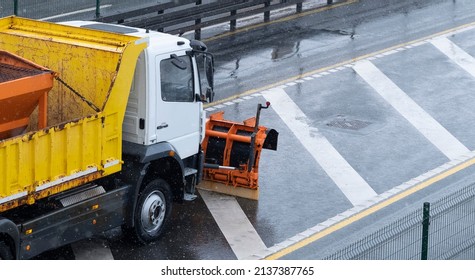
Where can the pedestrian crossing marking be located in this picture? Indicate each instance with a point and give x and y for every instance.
(353, 186)
(409, 109)
(233, 223)
(456, 54)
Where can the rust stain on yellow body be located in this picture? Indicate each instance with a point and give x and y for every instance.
(78, 144)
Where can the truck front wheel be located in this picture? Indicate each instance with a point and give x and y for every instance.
(153, 210)
(5, 251)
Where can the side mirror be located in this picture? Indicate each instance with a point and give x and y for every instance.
(209, 70)
(199, 98)
(198, 45)
(178, 62)
(209, 95)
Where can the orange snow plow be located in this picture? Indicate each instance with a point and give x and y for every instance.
(232, 152)
(23, 87)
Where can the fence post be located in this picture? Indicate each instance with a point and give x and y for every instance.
(425, 230)
(159, 13)
(15, 7)
(299, 7)
(197, 22)
(233, 22)
(98, 8)
(266, 13)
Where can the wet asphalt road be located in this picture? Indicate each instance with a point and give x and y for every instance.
(325, 38)
(312, 63)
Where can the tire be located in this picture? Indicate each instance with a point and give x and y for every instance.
(5, 251)
(153, 210)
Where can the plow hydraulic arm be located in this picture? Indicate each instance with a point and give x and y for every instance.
(232, 153)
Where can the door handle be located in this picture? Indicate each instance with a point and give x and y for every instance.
(163, 125)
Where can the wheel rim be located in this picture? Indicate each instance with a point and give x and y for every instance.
(153, 212)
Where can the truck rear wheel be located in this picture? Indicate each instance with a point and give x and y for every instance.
(5, 251)
(153, 211)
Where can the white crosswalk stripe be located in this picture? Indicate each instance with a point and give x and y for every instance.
(456, 54)
(417, 116)
(234, 224)
(355, 188)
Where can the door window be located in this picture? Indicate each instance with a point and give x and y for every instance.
(177, 79)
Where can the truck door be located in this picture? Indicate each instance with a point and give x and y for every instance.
(178, 111)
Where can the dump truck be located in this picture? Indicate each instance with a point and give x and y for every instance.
(103, 126)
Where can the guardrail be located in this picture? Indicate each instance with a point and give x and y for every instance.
(60, 10)
(171, 16)
(187, 15)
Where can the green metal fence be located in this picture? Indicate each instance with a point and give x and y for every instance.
(442, 230)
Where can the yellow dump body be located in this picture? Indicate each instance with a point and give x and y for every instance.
(79, 144)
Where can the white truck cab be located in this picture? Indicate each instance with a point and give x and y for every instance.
(165, 102)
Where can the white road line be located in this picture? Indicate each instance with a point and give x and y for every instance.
(420, 119)
(238, 231)
(456, 54)
(93, 249)
(353, 186)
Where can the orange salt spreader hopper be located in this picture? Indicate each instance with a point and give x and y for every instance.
(24, 85)
(232, 152)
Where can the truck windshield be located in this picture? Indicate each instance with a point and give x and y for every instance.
(177, 79)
